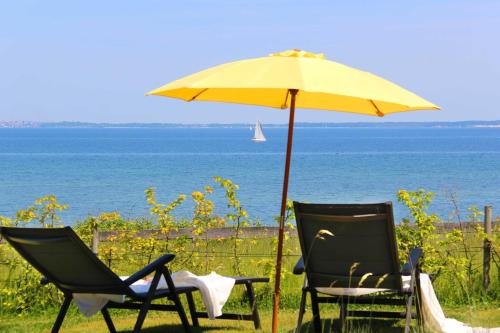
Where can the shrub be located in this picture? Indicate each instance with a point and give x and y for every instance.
(451, 257)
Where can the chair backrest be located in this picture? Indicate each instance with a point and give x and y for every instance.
(61, 256)
(362, 251)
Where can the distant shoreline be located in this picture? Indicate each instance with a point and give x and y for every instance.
(65, 124)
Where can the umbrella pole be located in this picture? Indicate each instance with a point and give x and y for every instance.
(277, 282)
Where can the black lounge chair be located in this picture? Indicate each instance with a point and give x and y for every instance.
(362, 253)
(64, 260)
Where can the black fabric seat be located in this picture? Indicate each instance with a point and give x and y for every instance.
(165, 292)
(350, 246)
(64, 260)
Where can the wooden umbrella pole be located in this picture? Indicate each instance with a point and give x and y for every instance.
(277, 282)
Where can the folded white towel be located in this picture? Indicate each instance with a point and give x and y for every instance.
(215, 290)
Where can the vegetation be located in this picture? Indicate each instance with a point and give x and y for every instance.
(169, 322)
(453, 258)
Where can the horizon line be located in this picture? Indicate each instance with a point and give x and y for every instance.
(242, 123)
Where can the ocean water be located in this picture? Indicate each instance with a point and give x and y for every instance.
(105, 169)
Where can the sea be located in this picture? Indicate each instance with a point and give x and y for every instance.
(96, 170)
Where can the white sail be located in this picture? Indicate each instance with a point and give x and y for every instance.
(259, 135)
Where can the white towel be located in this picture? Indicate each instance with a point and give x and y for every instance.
(215, 290)
(405, 279)
(433, 314)
(90, 304)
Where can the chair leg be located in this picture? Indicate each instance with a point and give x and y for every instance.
(253, 305)
(343, 315)
(107, 319)
(142, 316)
(145, 305)
(409, 303)
(420, 322)
(192, 309)
(61, 314)
(181, 312)
(302, 309)
(418, 304)
(315, 311)
(175, 298)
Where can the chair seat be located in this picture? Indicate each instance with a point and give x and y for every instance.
(246, 279)
(364, 291)
(141, 290)
(164, 292)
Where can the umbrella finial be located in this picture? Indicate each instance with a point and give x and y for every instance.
(298, 53)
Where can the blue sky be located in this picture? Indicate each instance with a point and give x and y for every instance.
(94, 60)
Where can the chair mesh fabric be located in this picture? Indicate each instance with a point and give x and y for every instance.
(61, 256)
(362, 251)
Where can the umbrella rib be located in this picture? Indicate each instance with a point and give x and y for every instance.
(378, 112)
(284, 105)
(197, 95)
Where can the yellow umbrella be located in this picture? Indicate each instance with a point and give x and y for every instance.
(293, 79)
(322, 84)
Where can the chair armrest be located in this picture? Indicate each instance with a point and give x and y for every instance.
(155, 265)
(413, 261)
(299, 267)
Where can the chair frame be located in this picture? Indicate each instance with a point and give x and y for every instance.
(400, 297)
(140, 301)
(250, 293)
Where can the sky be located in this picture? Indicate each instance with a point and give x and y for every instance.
(93, 61)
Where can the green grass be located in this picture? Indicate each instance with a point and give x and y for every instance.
(169, 322)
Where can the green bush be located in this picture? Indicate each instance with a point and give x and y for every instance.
(453, 258)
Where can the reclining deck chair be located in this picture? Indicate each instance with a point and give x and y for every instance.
(349, 255)
(61, 256)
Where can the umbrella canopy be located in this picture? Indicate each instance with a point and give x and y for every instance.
(293, 79)
(322, 84)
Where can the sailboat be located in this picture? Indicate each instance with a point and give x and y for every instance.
(259, 135)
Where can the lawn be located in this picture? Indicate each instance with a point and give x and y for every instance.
(169, 322)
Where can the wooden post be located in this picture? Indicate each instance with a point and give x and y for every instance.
(488, 230)
(95, 240)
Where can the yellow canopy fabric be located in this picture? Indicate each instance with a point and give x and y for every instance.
(321, 84)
